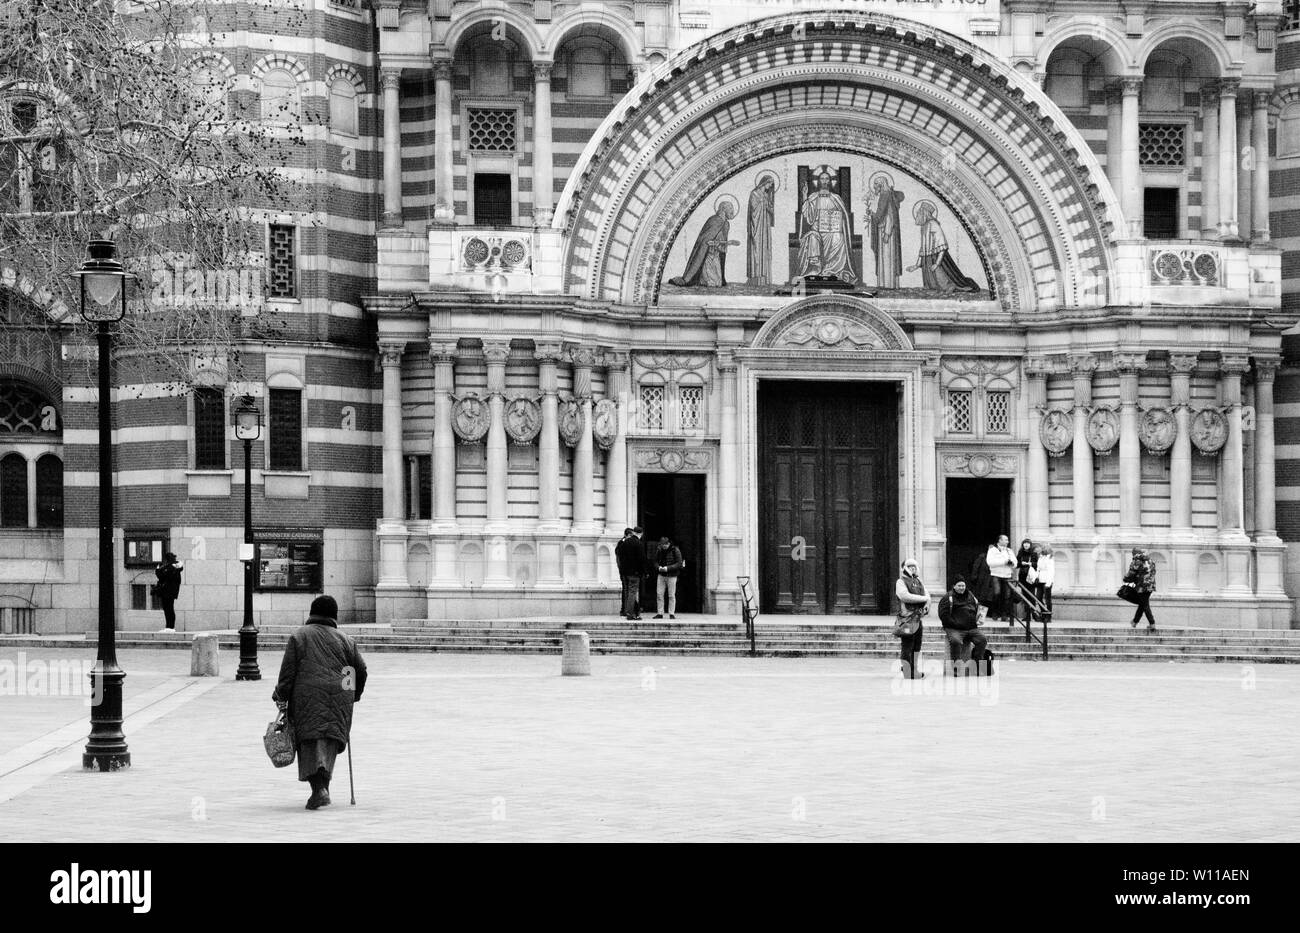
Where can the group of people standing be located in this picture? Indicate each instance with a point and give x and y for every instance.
(1032, 567)
(638, 560)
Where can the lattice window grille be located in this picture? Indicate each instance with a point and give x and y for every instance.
(1291, 10)
(209, 429)
(286, 429)
(22, 411)
(491, 129)
(999, 413)
(691, 400)
(347, 4)
(958, 414)
(1162, 143)
(282, 264)
(652, 407)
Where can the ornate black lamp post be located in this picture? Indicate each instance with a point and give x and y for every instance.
(248, 426)
(103, 301)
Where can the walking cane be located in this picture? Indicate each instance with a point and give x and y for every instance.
(351, 787)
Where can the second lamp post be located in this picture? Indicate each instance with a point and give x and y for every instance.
(248, 427)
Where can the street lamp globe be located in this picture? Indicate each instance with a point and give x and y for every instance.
(248, 420)
(103, 284)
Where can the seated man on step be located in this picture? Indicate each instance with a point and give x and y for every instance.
(959, 612)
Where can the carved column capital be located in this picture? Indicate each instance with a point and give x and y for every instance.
(617, 360)
(442, 69)
(1234, 364)
(1266, 368)
(1130, 364)
(546, 351)
(1228, 87)
(1082, 364)
(1182, 364)
(1037, 367)
(390, 78)
(1131, 85)
(390, 352)
(496, 351)
(1260, 100)
(583, 357)
(442, 351)
(542, 71)
(727, 360)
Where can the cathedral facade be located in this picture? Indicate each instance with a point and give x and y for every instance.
(809, 288)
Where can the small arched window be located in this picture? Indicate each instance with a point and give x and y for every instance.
(1067, 81)
(589, 72)
(1162, 85)
(280, 100)
(491, 68)
(49, 492)
(343, 106)
(13, 491)
(1288, 130)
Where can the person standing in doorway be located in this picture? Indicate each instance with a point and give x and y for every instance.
(1002, 565)
(629, 554)
(1026, 574)
(169, 587)
(668, 564)
(1142, 574)
(913, 604)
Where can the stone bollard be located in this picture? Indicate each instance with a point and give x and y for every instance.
(577, 654)
(203, 656)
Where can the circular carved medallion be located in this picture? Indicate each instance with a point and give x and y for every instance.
(1209, 430)
(604, 423)
(470, 419)
(570, 422)
(1103, 430)
(1157, 430)
(672, 460)
(523, 419)
(1056, 431)
(980, 465)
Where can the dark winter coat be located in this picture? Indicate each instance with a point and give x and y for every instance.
(312, 680)
(980, 580)
(1142, 574)
(960, 613)
(669, 557)
(1025, 559)
(169, 581)
(629, 554)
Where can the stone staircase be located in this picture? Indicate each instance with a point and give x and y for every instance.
(790, 638)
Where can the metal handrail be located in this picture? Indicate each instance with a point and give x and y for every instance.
(748, 613)
(1035, 605)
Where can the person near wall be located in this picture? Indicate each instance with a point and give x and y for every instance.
(1046, 576)
(321, 677)
(629, 554)
(913, 604)
(168, 588)
(1142, 575)
(668, 564)
(1001, 562)
(1026, 575)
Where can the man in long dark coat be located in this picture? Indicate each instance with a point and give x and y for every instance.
(321, 676)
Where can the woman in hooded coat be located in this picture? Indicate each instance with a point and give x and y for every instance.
(1142, 574)
(321, 676)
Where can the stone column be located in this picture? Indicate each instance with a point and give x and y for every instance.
(1231, 480)
(392, 527)
(1131, 196)
(443, 355)
(1245, 167)
(1248, 457)
(1210, 160)
(1180, 456)
(391, 80)
(1036, 482)
(928, 485)
(1265, 449)
(1228, 157)
(444, 198)
(548, 441)
(584, 483)
(1081, 368)
(543, 183)
(616, 466)
(1259, 190)
(496, 352)
(1129, 366)
(1114, 133)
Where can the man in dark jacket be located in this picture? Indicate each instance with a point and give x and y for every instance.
(169, 587)
(668, 564)
(629, 554)
(959, 613)
(321, 676)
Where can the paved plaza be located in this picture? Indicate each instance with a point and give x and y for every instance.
(502, 748)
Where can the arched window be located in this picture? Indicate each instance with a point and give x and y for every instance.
(1067, 81)
(1162, 85)
(24, 412)
(491, 67)
(1288, 130)
(13, 491)
(280, 101)
(589, 72)
(49, 492)
(343, 106)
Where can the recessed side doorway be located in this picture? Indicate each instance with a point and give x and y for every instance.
(673, 504)
(978, 510)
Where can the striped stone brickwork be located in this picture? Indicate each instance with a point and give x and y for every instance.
(1284, 221)
(922, 87)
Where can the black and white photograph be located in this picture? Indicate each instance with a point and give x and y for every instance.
(670, 421)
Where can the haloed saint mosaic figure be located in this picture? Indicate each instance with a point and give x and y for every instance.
(707, 265)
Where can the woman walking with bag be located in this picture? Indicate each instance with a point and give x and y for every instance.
(321, 676)
(913, 603)
(1142, 576)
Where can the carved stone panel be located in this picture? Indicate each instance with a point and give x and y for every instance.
(673, 459)
(1056, 431)
(604, 423)
(979, 465)
(1157, 430)
(523, 419)
(470, 418)
(1103, 430)
(1209, 430)
(570, 422)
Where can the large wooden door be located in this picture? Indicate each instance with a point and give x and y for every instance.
(828, 478)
